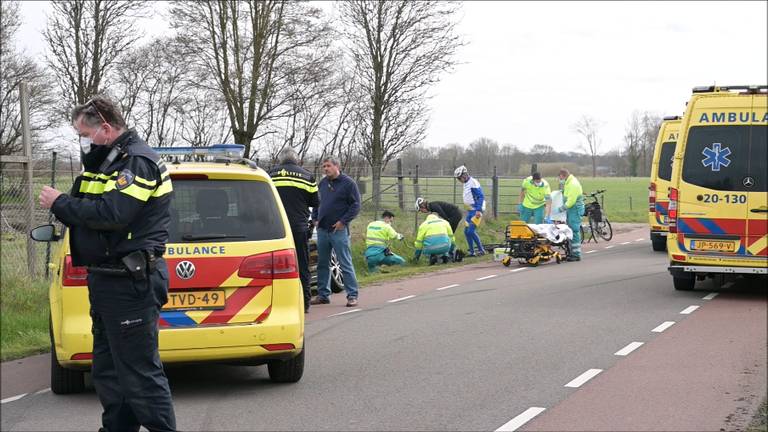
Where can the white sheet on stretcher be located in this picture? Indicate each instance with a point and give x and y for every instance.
(555, 233)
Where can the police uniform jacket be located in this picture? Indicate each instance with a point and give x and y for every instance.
(298, 192)
(121, 209)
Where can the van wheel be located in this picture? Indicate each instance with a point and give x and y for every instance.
(658, 243)
(287, 371)
(337, 278)
(683, 284)
(64, 381)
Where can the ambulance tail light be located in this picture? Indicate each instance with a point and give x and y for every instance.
(652, 197)
(73, 276)
(672, 211)
(271, 265)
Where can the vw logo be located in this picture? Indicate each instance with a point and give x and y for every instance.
(748, 182)
(185, 270)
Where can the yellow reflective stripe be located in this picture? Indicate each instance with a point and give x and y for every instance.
(137, 192)
(92, 187)
(165, 188)
(150, 183)
(292, 183)
(99, 175)
(307, 182)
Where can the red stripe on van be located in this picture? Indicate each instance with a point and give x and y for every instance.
(235, 303)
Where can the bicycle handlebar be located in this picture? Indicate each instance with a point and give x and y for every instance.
(595, 193)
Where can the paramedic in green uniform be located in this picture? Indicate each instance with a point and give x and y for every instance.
(378, 237)
(573, 206)
(535, 199)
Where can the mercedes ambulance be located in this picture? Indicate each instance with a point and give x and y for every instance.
(718, 198)
(661, 173)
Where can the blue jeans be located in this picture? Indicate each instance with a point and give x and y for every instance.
(339, 242)
(537, 214)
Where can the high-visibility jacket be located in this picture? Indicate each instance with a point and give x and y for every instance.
(433, 232)
(380, 233)
(119, 210)
(572, 192)
(535, 196)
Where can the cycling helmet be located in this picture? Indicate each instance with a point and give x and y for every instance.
(460, 171)
(419, 201)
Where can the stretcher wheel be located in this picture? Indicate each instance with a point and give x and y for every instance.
(557, 258)
(506, 261)
(534, 261)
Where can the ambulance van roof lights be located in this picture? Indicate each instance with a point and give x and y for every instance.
(746, 88)
(220, 150)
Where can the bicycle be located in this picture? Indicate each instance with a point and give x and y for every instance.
(597, 222)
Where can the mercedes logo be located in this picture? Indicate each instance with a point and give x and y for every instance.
(185, 270)
(748, 182)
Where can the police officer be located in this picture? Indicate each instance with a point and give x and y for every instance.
(118, 215)
(298, 192)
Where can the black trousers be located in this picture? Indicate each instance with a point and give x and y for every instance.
(127, 373)
(301, 242)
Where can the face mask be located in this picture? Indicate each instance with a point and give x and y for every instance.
(85, 144)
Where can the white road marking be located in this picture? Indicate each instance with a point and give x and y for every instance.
(519, 269)
(608, 247)
(729, 284)
(628, 349)
(345, 312)
(46, 390)
(710, 296)
(448, 286)
(688, 310)
(581, 379)
(12, 398)
(486, 277)
(626, 243)
(663, 326)
(521, 419)
(400, 299)
(639, 239)
(590, 251)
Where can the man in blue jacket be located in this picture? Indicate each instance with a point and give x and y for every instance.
(339, 205)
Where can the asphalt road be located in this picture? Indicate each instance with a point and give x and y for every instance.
(483, 348)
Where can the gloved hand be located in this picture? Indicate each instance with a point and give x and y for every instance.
(548, 221)
(400, 237)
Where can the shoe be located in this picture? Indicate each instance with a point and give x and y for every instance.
(351, 302)
(458, 256)
(319, 300)
(432, 259)
(445, 259)
(572, 258)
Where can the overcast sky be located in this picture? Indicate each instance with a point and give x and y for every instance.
(529, 70)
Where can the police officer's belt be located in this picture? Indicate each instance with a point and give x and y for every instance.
(136, 265)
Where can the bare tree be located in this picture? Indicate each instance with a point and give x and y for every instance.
(588, 128)
(633, 143)
(250, 49)
(398, 50)
(651, 124)
(205, 119)
(85, 38)
(15, 68)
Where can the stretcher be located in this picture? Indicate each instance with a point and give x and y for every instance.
(533, 244)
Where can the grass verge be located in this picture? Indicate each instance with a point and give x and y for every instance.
(760, 421)
(24, 319)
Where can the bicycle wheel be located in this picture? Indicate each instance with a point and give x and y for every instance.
(581, 228)
(603, 229)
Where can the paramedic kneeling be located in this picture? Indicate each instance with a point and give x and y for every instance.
(435, 239)
(377, 239)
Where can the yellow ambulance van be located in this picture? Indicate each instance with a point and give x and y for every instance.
(661, 174)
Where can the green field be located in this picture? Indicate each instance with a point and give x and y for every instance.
(625, 199)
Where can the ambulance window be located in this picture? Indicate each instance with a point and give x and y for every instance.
(242, 210)
(665, 160)
(758, 159)
(716, 157)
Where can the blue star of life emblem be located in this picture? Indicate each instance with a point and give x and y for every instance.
(716, 157)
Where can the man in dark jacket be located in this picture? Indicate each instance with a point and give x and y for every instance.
(445, 210)
(298, 192)
(339, 205)
(118, 215)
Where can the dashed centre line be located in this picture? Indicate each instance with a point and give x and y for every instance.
(663, 326)
(589, 252)
(519, 269)
(688, 310)
(447, 286)
(639, 239)
(628, 349)
(608, 247)
(583, 378)
(12, 398)
(626, 243)
(401, 299)
(710, 296)
(486, 277)
(345, 312)
(521, 419)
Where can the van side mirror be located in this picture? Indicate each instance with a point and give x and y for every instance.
(45, 233)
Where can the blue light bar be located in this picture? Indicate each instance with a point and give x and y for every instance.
(221, 150)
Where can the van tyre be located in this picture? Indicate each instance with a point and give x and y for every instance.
(683, 284)
(287, 371)
(64, 381)
(658, 243)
